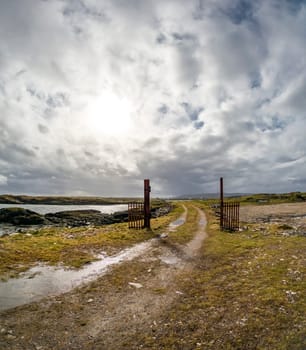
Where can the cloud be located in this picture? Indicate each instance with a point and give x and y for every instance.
(3, 180)
(97, 95)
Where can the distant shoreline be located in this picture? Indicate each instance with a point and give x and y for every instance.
(61, 200)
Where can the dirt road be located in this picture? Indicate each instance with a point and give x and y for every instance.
(109, 312)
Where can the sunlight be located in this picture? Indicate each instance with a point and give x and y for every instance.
(109, 114)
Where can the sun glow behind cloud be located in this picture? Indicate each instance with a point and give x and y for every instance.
(108, 114)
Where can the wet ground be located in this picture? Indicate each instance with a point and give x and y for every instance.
(105, 313)
(41, 281)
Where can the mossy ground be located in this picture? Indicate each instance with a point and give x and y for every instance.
(247, 291)
(72, 247)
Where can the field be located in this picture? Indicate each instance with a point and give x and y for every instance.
(242, 290)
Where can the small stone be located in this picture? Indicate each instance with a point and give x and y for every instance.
(2, 330)
(135, 285)
(10, 337)
(90, 300)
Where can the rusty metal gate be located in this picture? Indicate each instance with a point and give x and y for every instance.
(229, 212)
(136, 215)
(229, 216)
(139, 213)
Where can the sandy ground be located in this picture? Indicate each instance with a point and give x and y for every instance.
(289, 218)
(109, 312)
(253, 212)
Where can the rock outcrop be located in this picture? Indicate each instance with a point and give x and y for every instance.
(85, 217)
(20, 216)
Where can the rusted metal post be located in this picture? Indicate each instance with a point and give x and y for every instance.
(221, 204)
(147, 210)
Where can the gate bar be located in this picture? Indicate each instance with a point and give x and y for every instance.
(221, 204)
(147, 211)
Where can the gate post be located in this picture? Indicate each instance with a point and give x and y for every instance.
(221, 204)
(147, 211)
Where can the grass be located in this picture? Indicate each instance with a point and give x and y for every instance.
(72, 247)
(263, 198)
(271, 198)
(246, 292)
(184, 233)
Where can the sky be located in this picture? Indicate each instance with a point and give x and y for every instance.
(97, 95)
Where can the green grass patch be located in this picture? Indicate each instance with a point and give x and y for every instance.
(247, 291)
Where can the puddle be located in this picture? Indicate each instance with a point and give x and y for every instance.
(170, 259)
(202, 222)
(41, 281)
(178, 222)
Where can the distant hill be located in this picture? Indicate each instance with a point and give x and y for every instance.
(263, 198)
(60, 200)
(66, 200)
(209, 195)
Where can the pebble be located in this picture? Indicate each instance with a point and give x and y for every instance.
(10, 337)
(136, 285)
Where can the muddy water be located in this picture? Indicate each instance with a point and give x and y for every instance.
(178, 222)
(41, 281)
(47, 280)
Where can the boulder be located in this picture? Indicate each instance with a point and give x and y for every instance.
(80, 218)
(75, 217)
(21, 216)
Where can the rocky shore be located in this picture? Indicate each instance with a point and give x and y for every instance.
(25, 217)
